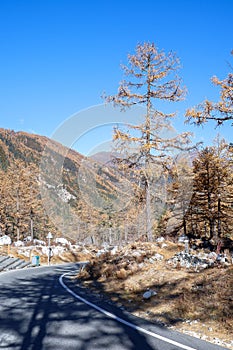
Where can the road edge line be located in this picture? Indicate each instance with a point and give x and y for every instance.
(119, 319)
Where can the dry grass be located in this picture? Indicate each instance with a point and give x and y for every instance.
(204, 298)
(67, 256)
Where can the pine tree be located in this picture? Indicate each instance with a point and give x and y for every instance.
(180, 192)
(150, 76)
(221, 111)
(210, 211)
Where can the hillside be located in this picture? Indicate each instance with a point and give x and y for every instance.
(48, 187)
(21, 205)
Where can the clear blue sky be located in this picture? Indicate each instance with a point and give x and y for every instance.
(58, 56)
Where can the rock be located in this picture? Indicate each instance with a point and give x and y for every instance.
(114, 250)
(223, 260)
(204, 337)
(160, 239)
(182, 238)
(62, 240)
(19, 244)
(39, 242)
(157, 257)
(141, 265)
(5, 240)
(212, 256)
(204, 266)
(100, 252)
(28, 239)
(164, 245)
(148, 294)
(188, 261)
(136, 254)
(56, 250)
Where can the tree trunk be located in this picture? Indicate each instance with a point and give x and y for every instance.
(18, 233)
(126, 232)
(110, 235)
(185, 226)
(211, 224)
(219, 219)
(148, 213)
(32, 228)
(17, 210)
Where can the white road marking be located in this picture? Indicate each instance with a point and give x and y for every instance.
(121, 320)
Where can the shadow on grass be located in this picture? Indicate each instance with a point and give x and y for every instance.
(206, 295)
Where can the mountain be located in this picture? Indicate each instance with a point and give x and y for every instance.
(103, 157)
(48, 187)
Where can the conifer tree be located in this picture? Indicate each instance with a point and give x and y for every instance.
(210, 212)
(150, 77)
(180, 192)
(221, 111)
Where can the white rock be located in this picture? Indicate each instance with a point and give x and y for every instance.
(62, 241)
(100, 252)
(212, 256)
(204, 266)
(5, 240)
(28, 239)
(148, 294)
(114, 250)
(64, 194)
(19, 244)
(157, 257)
(39, 242)
(160, 239)
(182, 238)
(26, 253)
(136, 254)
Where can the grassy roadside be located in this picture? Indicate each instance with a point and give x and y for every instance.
(198, 303)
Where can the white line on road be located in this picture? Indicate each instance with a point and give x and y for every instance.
(121, 320)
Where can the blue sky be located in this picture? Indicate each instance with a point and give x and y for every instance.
(59, 56)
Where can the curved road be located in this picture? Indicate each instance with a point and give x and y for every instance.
(41, 310)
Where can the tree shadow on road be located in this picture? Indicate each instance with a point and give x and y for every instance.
(36, 313)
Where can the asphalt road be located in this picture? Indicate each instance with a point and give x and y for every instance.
(40, 310)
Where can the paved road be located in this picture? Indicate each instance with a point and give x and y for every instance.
(37, 313)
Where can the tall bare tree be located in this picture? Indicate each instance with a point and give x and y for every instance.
(221, 111)
(150, 77)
